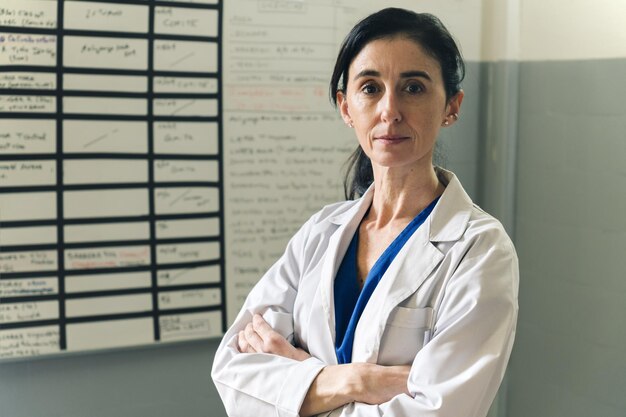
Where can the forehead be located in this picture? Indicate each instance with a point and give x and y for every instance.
(394, 55)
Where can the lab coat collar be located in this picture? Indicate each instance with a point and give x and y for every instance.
(450, 216)
(359, 206)
(446, 223)
(406, 274)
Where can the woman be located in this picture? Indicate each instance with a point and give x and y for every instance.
(404, 301)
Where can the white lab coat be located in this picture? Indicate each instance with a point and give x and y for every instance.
(447, 305)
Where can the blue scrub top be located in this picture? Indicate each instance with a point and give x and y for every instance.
(350, 301)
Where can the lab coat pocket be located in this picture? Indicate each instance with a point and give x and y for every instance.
(406, 332)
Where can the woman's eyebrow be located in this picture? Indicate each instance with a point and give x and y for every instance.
(367, 73)
(407, 74)
(411, 74)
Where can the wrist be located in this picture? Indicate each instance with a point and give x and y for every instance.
(356, 383)
(329, 390)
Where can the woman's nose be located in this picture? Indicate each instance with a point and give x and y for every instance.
(390, 112)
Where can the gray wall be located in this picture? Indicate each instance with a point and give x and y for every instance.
(459, 145)
(570, 205)
(164, 381)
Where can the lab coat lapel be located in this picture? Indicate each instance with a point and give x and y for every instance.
(412, 265)
(323, 331)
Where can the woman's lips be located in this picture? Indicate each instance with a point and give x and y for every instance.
(391, 139)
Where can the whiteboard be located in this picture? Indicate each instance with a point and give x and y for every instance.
(111, 175)
(156, 157)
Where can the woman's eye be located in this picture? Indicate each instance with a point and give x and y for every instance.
(414, 88)
(369, 89)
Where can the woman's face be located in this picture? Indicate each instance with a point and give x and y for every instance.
(396, 101)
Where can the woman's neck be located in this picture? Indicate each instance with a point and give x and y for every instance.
(400, 195)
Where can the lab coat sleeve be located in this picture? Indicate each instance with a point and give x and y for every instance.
(458, 372)
(258, 384)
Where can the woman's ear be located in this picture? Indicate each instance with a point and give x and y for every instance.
(454, 104)
(342, 103)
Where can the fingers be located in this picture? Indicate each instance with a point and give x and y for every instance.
(260, 337)
(261, 327)
(272, 341)
(242, 343)
(253, 338)
(249, 340)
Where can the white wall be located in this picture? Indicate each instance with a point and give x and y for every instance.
(572, 29)
(539, 30)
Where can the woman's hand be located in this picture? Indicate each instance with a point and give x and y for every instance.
(259, 337)
(376, 384)
(337, 385)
